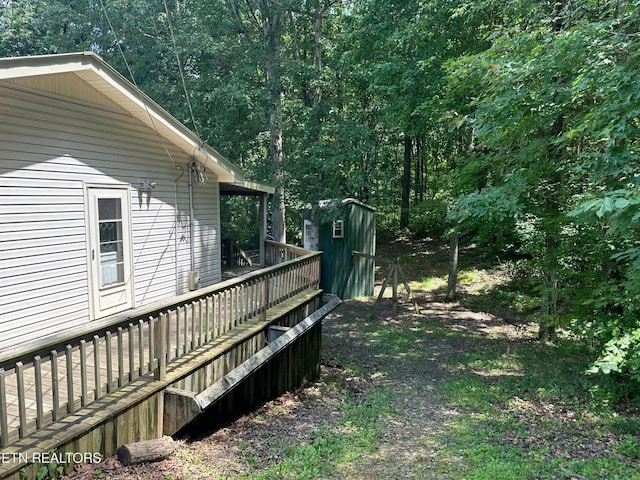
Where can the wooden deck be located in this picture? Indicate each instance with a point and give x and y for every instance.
(47, 389)
(61, 378)
(224, 376)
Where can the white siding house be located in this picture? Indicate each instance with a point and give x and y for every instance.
(107, 203)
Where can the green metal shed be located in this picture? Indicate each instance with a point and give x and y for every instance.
(338, 229)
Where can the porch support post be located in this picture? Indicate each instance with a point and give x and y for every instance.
(263, 228)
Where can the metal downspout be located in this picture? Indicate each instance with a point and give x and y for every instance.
(192, 251)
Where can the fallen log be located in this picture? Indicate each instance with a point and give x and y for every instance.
(146, 451)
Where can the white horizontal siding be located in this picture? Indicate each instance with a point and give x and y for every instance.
(49, 151)
(18, 331)
(37, 283)
(45, 227)
(35, 236)
(52, 258)
(206, 232)
(54, 272)
(39, 304)
(8, 210)
(28, 247)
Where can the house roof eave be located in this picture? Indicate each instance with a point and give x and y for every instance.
(245, 188)
(92, 69)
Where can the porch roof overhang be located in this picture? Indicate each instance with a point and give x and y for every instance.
(245, 189)
(95, 72)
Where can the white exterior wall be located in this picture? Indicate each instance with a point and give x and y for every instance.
(50, 149)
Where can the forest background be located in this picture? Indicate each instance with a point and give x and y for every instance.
(510, 124)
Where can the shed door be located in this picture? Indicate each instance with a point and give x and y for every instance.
(310, 235)
(110, 256)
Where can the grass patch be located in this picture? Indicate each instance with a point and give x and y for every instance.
(426, 283)
(514, 294)
(333, 446)
(530, 413)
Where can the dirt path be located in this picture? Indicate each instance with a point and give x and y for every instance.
(407, 446)
(408, 356)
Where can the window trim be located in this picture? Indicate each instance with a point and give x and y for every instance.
(338, 229)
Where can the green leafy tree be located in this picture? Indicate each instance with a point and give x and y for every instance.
(552, 103)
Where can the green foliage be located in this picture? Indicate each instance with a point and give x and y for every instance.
(36, 27)
(51, 471)
(494, 205)
(239, 221)
(551, 104)
(615, 324)
(428, 218)
(524, 121)
(621, 354)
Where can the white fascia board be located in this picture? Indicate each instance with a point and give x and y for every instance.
(17, 67)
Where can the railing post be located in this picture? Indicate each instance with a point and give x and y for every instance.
(55, 386)
(71, 406)
(97, 380)
(109, 353)
(264, 298)
(141, 363)
(132, 352)
(37, 371)
(121, 381)
(263, 229)
(83, 373)
(4, 427)
(153, 339)
(22, 408)
(161, 335)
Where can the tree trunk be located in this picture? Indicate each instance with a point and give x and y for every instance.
(406, 183)
(552, 229)
(266, 19)
(416, 174)
(452, 281)
(272, 29)
(549, 300)
(546, 326)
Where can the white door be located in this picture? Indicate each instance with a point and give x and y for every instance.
(310, 235)
(110, 250)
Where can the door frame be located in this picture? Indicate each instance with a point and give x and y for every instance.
(92, 191)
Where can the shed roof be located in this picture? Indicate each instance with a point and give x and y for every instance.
(353, 201)
(347, 201)
(62, 74)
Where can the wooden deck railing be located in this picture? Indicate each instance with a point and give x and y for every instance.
(279, 252)
(57, 380)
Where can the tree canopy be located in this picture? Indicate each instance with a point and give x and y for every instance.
(512, 123)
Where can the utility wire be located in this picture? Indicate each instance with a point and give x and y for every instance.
(133, 80)
(180, 69)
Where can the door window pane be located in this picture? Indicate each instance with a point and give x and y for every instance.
(111, 241)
